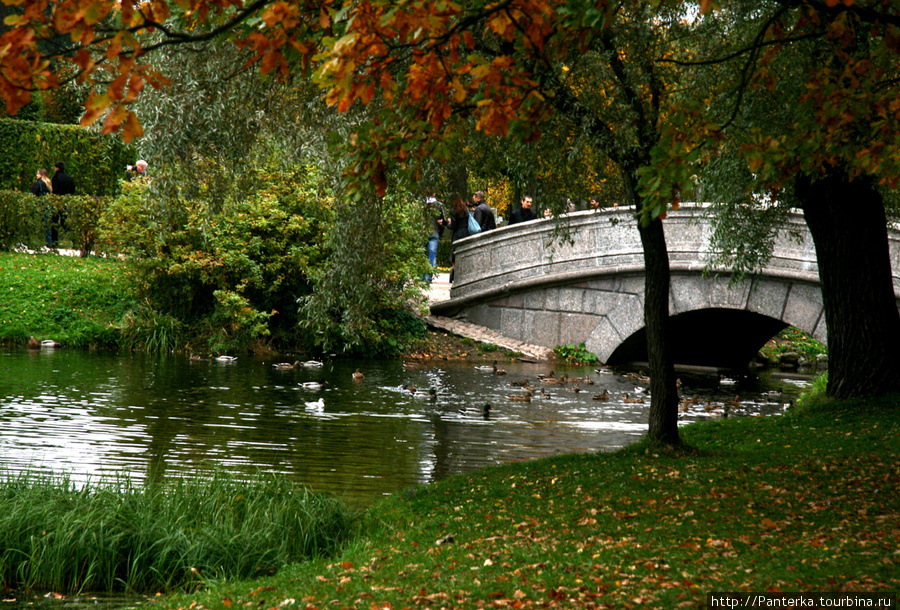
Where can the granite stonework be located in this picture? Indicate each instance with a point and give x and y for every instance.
(588, 285)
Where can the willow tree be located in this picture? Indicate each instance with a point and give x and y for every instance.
(802, 98)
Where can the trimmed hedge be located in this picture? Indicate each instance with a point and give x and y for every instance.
(96, 162)
(23, 217)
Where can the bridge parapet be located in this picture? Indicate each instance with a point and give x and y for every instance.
(525, 282)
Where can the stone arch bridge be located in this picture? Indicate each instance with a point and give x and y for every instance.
(521, 282)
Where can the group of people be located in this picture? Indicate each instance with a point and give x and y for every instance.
(64, 184)
(61, 184)
(462, 212)
(460, 222)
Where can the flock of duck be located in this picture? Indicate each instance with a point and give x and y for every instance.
(525, 390)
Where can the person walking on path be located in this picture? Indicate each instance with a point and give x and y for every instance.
(44, 186)
(524, 213)
(63, 183)
(483, 213)
(437, 219)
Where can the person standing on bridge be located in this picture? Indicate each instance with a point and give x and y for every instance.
(483, 213)
(459, 227)
(524, 213)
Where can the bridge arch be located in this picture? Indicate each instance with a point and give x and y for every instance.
(524, 284)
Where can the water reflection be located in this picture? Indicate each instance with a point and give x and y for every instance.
(91, 415)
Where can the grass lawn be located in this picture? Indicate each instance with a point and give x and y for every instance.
(803, 502)
(72, 300)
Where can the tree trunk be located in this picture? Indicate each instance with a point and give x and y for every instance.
(848, 225)
(663, 424)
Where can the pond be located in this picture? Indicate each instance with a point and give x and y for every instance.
(89, 415)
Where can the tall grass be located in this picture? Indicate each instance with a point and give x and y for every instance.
(115, 536)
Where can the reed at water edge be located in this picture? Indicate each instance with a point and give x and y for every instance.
(116, 536)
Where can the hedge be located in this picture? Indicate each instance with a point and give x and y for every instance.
(24, 218)
(96, 162)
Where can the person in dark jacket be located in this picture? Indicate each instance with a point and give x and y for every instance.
(483, 213)
(63, 183)
(459, 227)
(524, 213)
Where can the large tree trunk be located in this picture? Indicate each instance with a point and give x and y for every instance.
(663, 424)
(848, 225)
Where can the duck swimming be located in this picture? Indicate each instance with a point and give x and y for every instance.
(313, 385)
(526, 397)
(223, 358)
(358, 376)
(286, 365)
(483, 367)
(431, 394)
(604, 395)
(313, 364)
(317, 405)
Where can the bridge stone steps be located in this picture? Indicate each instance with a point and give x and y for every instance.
(440, 291)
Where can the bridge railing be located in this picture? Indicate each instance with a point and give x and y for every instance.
(601, 243)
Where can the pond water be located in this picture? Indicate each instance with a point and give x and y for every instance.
(89, 415)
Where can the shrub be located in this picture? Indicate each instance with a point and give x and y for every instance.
(21, 219)
(575, 355)
(229, 272)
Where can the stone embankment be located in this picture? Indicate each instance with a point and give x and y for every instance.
(440, 291)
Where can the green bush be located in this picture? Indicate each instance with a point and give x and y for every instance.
(24, 218)
(230, 274)
(576, 355)
(96, 162)
(21, 219)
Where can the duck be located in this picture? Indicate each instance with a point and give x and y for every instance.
(553, 379)
(484, 411)
(733, 403)
(409, 387)
(195, 357)
(313, 364)
(313, 385)
(576, 389)
(546, 395)
(604, 395)
(33, 343)
(499, 371)
(639, 377)
(317, 405)
(483, 367)
(286, 365)
(413, 365)
(431, 394)
(521, 383)
(358, 376)
(526, 397)
(50, 343)
(224, 358)
(626, 398)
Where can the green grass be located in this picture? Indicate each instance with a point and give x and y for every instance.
(75, 301)
(806, 501)
(116, 536)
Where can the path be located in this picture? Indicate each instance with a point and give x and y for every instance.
(440, 291)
